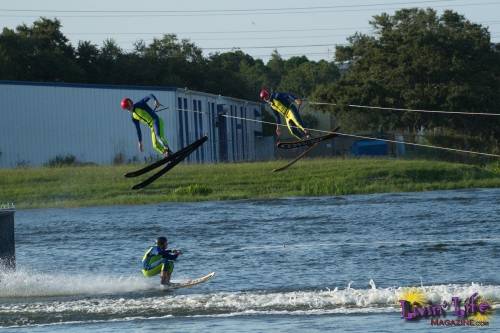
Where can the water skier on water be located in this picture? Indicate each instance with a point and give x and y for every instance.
(141, 111)
(159, 260)
(284, 104)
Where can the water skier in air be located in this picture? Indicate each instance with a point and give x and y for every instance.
(159, 260)
(141, 111)
(285, 104)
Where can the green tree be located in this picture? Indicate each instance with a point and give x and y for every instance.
(418, 59)
(276, 68)
(169, 61)
(110, 62)
(42, 53)
(87, 57)
(38, 52)
(303, 78)
(235, 74)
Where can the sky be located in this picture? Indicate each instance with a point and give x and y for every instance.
(294, 28)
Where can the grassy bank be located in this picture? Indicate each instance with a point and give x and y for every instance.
(105, 185)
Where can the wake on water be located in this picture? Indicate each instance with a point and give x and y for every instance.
(70, 298)
(25, 283)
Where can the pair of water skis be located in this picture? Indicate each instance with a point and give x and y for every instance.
(172, 160)
(309, 143)
(168, 163)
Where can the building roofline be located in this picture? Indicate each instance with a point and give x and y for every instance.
(86, 85)
(118, 86)
(188, 91)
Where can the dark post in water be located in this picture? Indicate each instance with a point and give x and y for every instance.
(7, 241)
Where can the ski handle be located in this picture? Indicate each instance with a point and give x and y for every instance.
(158, 104)
(299, 106)
(158, 110)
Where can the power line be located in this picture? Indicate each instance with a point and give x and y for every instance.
(197, 40)
(263, 55)
(250, 38)
(284, 12)
(236, 31)
(492, 22)
(216, 32)
(327, 44)
(295, 54)
(224, 10)
(281, 37)
(272, 46)
(269, 46)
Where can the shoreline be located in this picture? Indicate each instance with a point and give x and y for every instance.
(83, 186)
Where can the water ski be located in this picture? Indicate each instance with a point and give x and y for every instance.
(304, 153)
(308, 142)
(188, 283)
(165, 160)
(169, 162)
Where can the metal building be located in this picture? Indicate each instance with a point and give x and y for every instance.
(41, 121)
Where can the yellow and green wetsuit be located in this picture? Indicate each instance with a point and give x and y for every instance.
(142, 112)
(158, 260)
(283, 103)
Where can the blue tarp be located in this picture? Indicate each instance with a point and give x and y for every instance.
(369, 147)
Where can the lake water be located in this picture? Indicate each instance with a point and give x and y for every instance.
(287, 265)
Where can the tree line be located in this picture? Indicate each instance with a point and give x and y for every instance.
(41, 52)
(421, 60)
(413, 59)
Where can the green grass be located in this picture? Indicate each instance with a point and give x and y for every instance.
(105, 185)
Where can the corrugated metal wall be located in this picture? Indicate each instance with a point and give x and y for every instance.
(41, 121)
(200, 110)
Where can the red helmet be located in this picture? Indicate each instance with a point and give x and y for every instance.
(126, 102)
(264, 94)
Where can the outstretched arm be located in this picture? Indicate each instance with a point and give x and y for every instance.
(156, 101)
(139, 134)
(278, 123)
(170, 255)
(294, 99)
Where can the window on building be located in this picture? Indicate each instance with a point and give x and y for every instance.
(186, 123)
(242, 133)
(200, 120)
(180, 128)
(196, 132)
(214, 144)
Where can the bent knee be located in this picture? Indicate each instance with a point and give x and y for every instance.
(168, 267)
